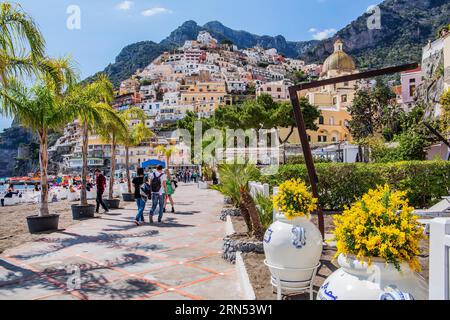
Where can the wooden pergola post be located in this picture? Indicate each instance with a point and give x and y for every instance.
(300, 122)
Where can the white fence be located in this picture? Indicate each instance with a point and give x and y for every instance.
(439, 259)
(257, 188)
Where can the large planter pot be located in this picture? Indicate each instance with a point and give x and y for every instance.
(356, 280)
(40, 224)
(292, 244)
(112, 204)
(128, 197)
(83, 212)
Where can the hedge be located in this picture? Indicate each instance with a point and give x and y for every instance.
(426, 182)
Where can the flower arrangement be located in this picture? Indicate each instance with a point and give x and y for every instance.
(382, 225)
(294, 199)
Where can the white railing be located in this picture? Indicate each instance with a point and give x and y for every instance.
(439, 285)
(257, 188)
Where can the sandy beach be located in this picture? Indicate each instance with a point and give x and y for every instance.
(13, 222)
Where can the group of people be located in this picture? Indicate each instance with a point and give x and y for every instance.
(188, 176)
(159, 187)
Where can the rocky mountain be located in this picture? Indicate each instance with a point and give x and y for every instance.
(406, 26)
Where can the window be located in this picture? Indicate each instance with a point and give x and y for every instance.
(278, 89)
(412, 80)
(321, 120)
(346, 84)
(344, 98)
(269, 89)
(331, 121)
(322, 138)
(334, 100)
(412, 90)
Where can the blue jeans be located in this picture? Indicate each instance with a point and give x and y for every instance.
(157, 199)
(141, 207)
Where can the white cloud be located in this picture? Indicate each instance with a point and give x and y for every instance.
(324, 34)
(125, 5)
(154, 11)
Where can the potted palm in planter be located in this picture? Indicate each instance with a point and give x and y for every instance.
(41, 109)
(377, 241)
(109, 132)
(133, 137)
(91, 103)
(293, 244)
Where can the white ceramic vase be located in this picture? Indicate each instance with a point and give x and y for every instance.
(357, 281)
(289, 245)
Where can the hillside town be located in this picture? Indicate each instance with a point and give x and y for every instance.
(204, 75)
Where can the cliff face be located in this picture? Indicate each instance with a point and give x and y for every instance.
(12, 141)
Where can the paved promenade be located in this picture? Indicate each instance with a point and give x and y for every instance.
(110, 258)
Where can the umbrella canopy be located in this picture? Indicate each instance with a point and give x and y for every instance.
(153, 163)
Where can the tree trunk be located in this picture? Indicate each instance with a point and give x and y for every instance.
(84, 172)
(288, 136)
(127, 164)
(43, 163)
(113, 169)
(246, 216)
(258, 230)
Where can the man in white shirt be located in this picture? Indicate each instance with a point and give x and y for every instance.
(158, 183)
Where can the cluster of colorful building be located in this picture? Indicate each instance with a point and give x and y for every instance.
(204, 75)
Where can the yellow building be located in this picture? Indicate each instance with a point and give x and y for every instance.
(332, 100)
(206, 97)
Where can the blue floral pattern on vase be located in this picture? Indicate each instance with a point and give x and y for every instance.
(298, 237)
(268, 235)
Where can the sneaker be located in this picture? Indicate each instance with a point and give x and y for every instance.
(159, 220)
(105, 212)
(151, 219)
(136, 223)
(173, 210)
(164, 210)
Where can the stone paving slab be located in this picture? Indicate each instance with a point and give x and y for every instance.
(109, 258)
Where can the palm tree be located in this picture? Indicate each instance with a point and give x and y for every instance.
(92, 105)
(133, 136)
(234, 184)
(21, 43)
(110, 132)
(42, 109)
(167, 152)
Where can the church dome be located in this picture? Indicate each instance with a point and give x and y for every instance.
(339, 60)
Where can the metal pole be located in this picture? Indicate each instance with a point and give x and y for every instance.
(313, 180)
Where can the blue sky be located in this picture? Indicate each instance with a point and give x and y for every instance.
(109, 25)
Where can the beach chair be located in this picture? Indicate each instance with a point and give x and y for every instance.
(73, 196)
(11, 201)
(92, 195)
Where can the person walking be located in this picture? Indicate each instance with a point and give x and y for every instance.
(101, 186)
(170, 191)
(140, 200)
(159, 188)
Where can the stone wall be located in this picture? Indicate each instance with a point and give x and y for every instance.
(232, 245)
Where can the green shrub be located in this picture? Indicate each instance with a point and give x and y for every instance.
(265, 210)
(426, 182)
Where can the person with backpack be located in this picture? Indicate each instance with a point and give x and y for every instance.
(158, 185)
(139, 197)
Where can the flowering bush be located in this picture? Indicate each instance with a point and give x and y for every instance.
(381, 225)
(294, 199)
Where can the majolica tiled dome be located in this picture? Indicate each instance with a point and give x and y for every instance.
(339, 60)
